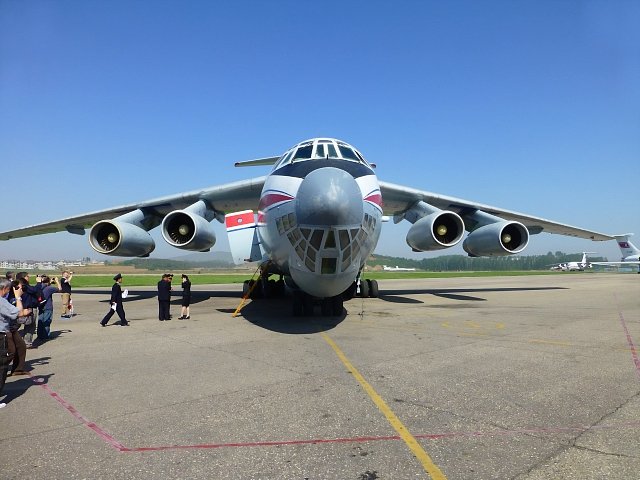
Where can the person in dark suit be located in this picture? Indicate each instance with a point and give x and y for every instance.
(164, 298)
(186, 297)
(116, 301)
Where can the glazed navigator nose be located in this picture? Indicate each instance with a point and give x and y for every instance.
(329, 196)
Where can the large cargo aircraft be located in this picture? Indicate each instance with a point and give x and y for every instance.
(318, 216)
(630, 253)
(574, 266)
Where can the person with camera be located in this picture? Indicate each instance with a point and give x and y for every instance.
(9, 314)
(30, 296)
(44, 321)
(65, 283)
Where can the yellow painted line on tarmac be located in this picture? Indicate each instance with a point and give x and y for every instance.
(430, 467)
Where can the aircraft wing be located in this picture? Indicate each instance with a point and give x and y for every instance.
(397, 199)
(242, 195)
(629, 262)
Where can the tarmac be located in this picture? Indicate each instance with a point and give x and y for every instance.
(534, 377)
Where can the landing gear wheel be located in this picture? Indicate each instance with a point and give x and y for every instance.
(307, 305)
(350, 292)
(245, 288)
(364, 288)
(373, 288)
(298, 309)
(337, 305)
(325, 306)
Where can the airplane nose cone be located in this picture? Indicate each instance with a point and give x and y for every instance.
(329, 196)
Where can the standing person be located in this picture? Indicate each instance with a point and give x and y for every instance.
(65, 284)
(164, 298)
(30, 296)
(9, 314)
(44, 320)
(116, 304)
(186, 298)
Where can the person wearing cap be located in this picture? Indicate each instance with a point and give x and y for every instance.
(116, 304)
(164, 297)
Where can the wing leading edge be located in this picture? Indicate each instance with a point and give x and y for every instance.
(241, 195)
(397, 199)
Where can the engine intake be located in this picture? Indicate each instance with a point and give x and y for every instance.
(435, 232)
(497, 239)
(114, 237)
(188, 231)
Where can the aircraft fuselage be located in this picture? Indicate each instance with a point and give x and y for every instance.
(319, 216)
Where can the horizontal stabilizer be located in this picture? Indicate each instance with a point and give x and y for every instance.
(257, 162)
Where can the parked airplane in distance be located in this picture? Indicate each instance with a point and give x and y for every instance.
(574, 266)
(319, 216)
(630, 253)
(398, 269)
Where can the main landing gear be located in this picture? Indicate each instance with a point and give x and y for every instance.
(303, 303)
(368, 288)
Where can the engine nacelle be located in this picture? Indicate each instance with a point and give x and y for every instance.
(436, 231)
(115, 237)
(188, 231)
(497, 239)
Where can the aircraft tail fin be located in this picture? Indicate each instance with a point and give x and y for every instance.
(626, 247)
(243, 237)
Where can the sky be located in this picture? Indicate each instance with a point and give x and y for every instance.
(532, 106)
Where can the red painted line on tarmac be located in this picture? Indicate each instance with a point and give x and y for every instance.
(72, 410)
(632, 346)
(265, 444)
(111, 441)
(427, 436)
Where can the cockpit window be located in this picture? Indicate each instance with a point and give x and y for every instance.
(321, 148)
(286, 158)
(347, 152)
(332, 150)
(303, 152)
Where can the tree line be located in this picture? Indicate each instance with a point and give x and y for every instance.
(449, 263)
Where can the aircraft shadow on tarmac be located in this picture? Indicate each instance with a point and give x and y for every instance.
(399, 295)
(275, 314)
(197, 296)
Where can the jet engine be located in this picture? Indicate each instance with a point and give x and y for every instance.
(189, 229)
(436, 231)
(117, 237)
(497, 239)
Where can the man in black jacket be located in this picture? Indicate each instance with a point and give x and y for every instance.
(116, 304)
(164, 298)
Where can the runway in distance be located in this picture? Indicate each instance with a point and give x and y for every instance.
(312, 221)
(397, 269)
(630, 253)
